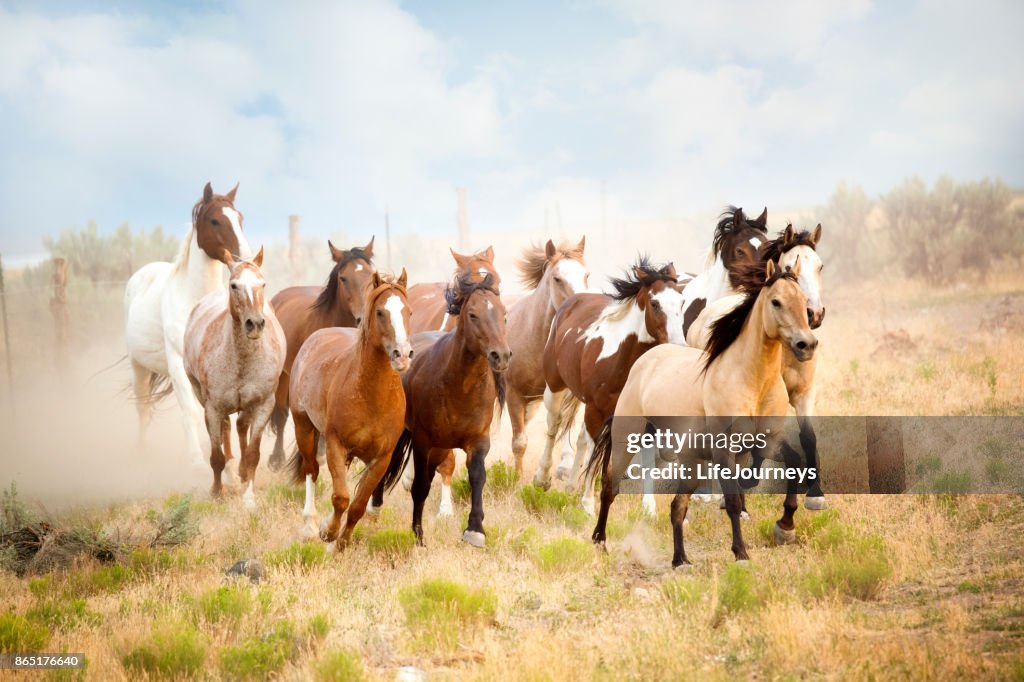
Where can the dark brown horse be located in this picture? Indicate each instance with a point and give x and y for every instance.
(304, 310)
(429, 308)
(345, 386)
(450, 393)
(593, 343)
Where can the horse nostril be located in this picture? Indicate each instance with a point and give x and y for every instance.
(411, 352)
(810, 315)
(802, 345)
(248, 325)
(261, 324)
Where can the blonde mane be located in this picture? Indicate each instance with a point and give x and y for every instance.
(534, 261)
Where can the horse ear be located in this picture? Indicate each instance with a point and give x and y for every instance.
(640, 274)
(787, 236)
(368, 249)
(816, 235)
(738, 218)
(226, 258)
(670, 270)
(460, 260)
(403, 279)
(377, 280)
(796, 267)
(769, 269)
(762, 219)
(207, 193)
(488, 254)
(258, 260)
(582, 245)
(336, 253)
(231, 195)
(550, 250)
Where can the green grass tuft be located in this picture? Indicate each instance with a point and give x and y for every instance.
(856, 567)
(739, 589)
(392, 544)
(19, 634)
(339, 665)
(225, 604)
(174, 651)
(564, 555)
(436, 611)
(63, 614)
(305, 555)
(502, 479)
(683, 593)
(539, 501)
(953, 482)
(263, 657)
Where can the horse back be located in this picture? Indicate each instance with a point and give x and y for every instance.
(294, 310)
(427, 306)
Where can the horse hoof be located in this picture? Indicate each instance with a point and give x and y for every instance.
(541, 481)
(474, 538)
(744, 516)
(588, 506)
(562, 473)
(783, 536)
(815, 503)
(445, 512)
(372, 511)
(275, 463)
(686, 567)
(745, 563)
(325, 533)
(308, 531)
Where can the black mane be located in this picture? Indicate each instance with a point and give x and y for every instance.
(629, 286)
(458, 292)
(329, 295)
(732, 220)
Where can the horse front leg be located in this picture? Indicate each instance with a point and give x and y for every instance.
(254, 425)
(474, 533)
(517, 416)
(191, 410)
(371, 477)
(423, 475)
(680, 503)
(278, 421)
(785, 528)
(815, 498)
(307, 467)
(447, 470)
(337, 463)
(215, 427)
(553, 405)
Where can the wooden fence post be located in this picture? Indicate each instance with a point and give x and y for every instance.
(295, 248)
(462, 219)
(59, 310)
(7, 336)
(387, 241)
(887, 466)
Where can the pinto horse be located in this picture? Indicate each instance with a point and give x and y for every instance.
(345, 387)
(304, 310)
(429, 306)
(450, 393)
(593, 342)
(739, 376)
(158, 300)
(234, 351)
(554, 273)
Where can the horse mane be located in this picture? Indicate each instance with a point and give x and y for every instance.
(732, 220)
(181, 260)
(726, 329)
(626, 288)
(457, 293)
(329, 295)
(773, 249)
(534, 261)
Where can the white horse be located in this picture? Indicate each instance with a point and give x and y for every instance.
(158, 300)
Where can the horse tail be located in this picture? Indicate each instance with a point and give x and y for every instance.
(567, 413)
(294, 466)
(602, 453)
(159, 388)
(107, 368)
(399, 459)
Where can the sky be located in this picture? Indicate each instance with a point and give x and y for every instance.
(121, 112)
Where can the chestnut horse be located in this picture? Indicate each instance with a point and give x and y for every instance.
(304, 310)
(429, 307)
(593, 343)
(739, 376)
(554, 274)
(345, 386)
(234, 351)
(158, 300)
(450, 393)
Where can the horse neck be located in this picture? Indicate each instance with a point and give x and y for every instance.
(541, 311)
(202, 274)
(462, 361)
(756, 351)
(371, 361)
(717, 282)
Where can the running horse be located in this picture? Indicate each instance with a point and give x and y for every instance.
(450, 393)
(303, 310)
(234, 351)
(429, 307)
(739, 376)
(593, 342)
(346, 388)
(158, 300)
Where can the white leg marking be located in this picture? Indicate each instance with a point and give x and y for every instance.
(249, 498)
(309, 530)
(553, 404)
(446, 510)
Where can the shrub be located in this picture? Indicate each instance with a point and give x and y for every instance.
(502, 479)
(436, 610)
(63, 614)
(261, 657)
(953, 482)
(857, 567)
(681, 593)
(339, 665)
(19, 634)
(462, 492)
(738, 589)
(302, 554)
(103, 579)
(524, 543)
(227, 603)
(564, 555)
(392, 544)
(539, 501)
(171, 651)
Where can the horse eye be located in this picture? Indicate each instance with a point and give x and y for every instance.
(214, 221)
(380, 314)
(472, 316)
(234, 286)
(775, 302)
(344, 280)
(558, 279)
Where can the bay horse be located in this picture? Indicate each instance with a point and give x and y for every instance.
(346, 388)
(553, 273)
(739, 376)
(158, 300)
(234, 351)
(592, 344)
(430, 309)
(786, 250)
(303, 310)
(450, 393)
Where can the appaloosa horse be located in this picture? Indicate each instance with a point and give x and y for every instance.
(158, 300)
(554, 273)
(450, 393)
(234, 350)
(429, 307)
(303, 310)
(345, 387)
(739, 376)
(593, 343)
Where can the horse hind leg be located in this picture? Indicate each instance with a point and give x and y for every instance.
(278, 421)
(367, 484)
(553, 405)
(446, 469)
(142, 385)
(307, 468)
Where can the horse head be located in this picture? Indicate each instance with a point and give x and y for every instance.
(246, 293)
(801, 247)
(653, 290)
(387, 318)
(351, 276)
(218, 226)
(785, 315)
(738, 238)
(476, 266)
(481, 319)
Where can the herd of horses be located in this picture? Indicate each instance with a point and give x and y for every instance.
(371, 368)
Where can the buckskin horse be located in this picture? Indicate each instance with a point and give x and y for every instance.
(346, 388)
(234, 351)
(450, 392)
(158, 300)
(739, 376)
(593, 342)
(303, 310)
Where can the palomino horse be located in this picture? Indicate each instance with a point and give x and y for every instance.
(304, 310)
(593, 342)
(159, 298)
(739, 376)
(786, 250)
(234, 351)
(450, 392)
(429, 307)
(345, 386)
(554, 274)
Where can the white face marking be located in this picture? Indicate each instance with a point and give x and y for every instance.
(483, 272)
(671, 302)
(444, 322)
(394, 306)
(756, 242)
(490, 306)
(248, 281)
(574, 273)
(810, 272)
(234, 219)
(359, 267)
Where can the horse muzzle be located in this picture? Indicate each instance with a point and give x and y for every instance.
(401, 359)
(803, 347)
(499, 359)
(254, 327)
(815, 317)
